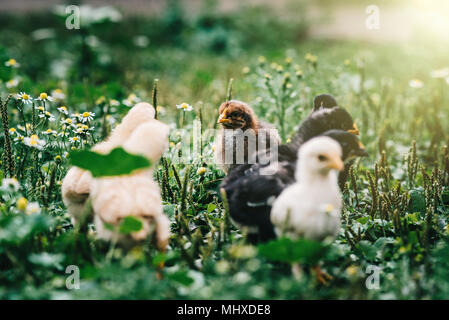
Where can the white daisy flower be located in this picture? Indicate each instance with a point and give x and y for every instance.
(415, 83)
(34, 142)
(184, 106)
(58, 94)
(441, 73)
(19, 138)
(63, 109)
(12, 63)
(50, 132)
(26, 98)
(12, 83)
(45, 97)
(74, 140)
(10, 183)
(87, 116)
(13, 131)
(41, 109)
(114, 103)
(67, 121)
(47, 115)
(63, 133)
(131, 100)
(32, 207)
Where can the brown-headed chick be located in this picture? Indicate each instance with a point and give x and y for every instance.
(240, 123)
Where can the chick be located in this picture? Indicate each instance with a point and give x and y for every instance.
(310, 207)
(239, 123)
(251, 189)
(76, 184)
(321, 121)
(324, 101)
(136, 194)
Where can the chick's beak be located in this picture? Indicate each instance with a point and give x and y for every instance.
(222, 118)
(354, 130)
(336, 163)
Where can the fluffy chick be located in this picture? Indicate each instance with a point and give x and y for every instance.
(76, 184)
(321, 121)
(136, 194)
(310, 208)
(324, 101)
(239, 122)
(251, 189)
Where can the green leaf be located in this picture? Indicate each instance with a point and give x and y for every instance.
(115, 163)
(211, 207)
(287, 250)
(367, 249)
(181, 277)
(363, 220)
(130, 224)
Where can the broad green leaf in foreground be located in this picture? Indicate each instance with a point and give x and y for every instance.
(130, 224)
(115, 163)
(287, 250)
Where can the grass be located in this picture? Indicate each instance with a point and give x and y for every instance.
(396, 201)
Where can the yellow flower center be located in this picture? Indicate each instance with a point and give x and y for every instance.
(34, 137)
(12, 62)
(25, 96)
(22, 204)
(49, 131)
(329, 207)
(41, 108)
(75, 139)
(184, 106)
(86, 114)
(43, 95)
(12, 130)
(69, 121)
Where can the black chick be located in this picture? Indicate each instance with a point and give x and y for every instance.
(321, 121)
(251, 189)
(324, 101)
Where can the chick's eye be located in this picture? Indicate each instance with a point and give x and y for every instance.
(322, 158)
(234, 114)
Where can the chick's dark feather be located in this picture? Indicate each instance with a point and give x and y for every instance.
(321, 121)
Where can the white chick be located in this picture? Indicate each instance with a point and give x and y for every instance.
(310, 208)
(136, 194)
(76, 184)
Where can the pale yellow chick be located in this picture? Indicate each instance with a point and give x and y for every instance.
(76, 184)
(136, 194)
